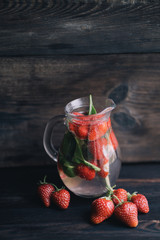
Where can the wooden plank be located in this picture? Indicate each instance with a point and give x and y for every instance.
(35, 89)
(78, 27)
(24, 217)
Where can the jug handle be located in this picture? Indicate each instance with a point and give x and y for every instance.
(48, 132)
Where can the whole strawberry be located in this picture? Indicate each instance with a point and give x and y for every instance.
(140, 201)
(85, 172)
(96, 131)
(44, 191)
(61, 197)
(104, 166)
(113, 140)
(121, 194)
(101, 209)
(127, 213)
(118, 194)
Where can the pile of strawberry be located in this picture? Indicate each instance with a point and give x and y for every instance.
(48, 192)
(118, 202)
(123, 205)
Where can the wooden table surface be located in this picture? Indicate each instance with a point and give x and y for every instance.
(24, 217)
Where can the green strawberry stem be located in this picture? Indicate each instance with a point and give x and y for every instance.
(97, 169)
(44, 182)
(80, 159)
(57, 189)
(110, 189)
(120, 202)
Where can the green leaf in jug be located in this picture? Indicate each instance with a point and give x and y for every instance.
(92, 109)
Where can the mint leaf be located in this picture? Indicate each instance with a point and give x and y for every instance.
(92, 109)
(78, 157)
(67, 167)
(66, 153)
(68, 146)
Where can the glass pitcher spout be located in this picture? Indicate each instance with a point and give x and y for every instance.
(102, 105)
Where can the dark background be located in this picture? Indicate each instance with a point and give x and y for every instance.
(52, 52)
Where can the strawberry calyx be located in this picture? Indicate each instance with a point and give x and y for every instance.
(57, 189)
(120, 201)
(107, 197)
(42, 182)
(110, 190)
(111, 195)
(131, 195)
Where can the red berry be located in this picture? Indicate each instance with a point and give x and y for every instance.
(97, 148)
(109, 123)
(77, 114)
(85, 172)
(96, 131)
(121, 194)
(101, 209)
(81, 131)
(44, 191)
(78, 126)
(127, 213)
(61, 198)
(113, 140)
(104, 165)
(141, 202)
(71, 127)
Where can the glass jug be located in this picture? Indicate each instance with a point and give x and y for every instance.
(88, 158)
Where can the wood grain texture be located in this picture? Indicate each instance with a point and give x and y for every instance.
(35, 89)
(23, 216)
(48, 27)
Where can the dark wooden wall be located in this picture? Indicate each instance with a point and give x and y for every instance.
(54, 51)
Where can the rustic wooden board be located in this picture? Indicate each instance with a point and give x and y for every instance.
(44, 27)
(24, 217)
(35, 89)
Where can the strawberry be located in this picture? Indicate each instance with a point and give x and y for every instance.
(121, 194)
(113, 140)
(140, 201)
(61, 197)
(109, 123)
(96, 131)
(97, 148)
(104, 165)
(127, 213)
(81, 132)
(101, 209)
(44, 191)
(78, 126)
(85, 172)
(77, 114)
(72, 126)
